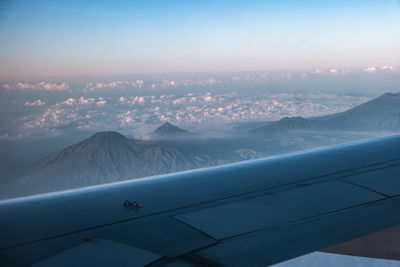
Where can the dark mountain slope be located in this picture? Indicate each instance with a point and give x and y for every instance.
(107, 157)
(379, 114)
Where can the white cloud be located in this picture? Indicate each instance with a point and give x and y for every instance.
(208, 98)
(137, 99)
(333, 71)
(98, 86)
(85, 101)
(116, 84)
(101, 103)
(69, 101)
(128, 119)
(370, 69)
(54, 86)
(34, 103)
(23, 85)
(139, 83)
(178, 101)
(318, 71)
(168, 83)
(48, 86)
(286, 75)
(389, 68)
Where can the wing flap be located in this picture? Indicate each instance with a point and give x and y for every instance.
(100, 252)
(161, 234)
(249, 215)
(270, 246)
(37, 251)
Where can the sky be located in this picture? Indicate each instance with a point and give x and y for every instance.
(50, 38)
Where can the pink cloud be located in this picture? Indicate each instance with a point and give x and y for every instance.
(389, 68)
(370, 69)
(35, 103)
(48, 86)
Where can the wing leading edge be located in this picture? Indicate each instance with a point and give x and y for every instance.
(253, 213)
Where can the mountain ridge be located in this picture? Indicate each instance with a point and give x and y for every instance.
(379, 114)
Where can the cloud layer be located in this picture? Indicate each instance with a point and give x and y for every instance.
(47, 86)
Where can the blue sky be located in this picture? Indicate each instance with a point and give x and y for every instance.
(44, 38)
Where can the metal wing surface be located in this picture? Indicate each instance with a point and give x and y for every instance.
(253, 213)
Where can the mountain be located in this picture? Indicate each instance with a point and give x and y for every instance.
(379, 114)
(103, 157)
(167, 130)
(285, 124)
(108, 157)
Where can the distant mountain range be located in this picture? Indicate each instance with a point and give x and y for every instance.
(109, 156)
(379, 114)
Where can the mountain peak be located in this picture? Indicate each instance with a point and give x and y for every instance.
(105, 139)
(169, 129)
(167, 124)
(390, 95)
(292, 119)
(285, 124)
(108, 136)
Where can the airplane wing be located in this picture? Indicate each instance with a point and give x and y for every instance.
(253, 213)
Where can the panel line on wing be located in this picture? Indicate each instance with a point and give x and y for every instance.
(262, 212)
(303, 220)
(365, 187)
(317, 179)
